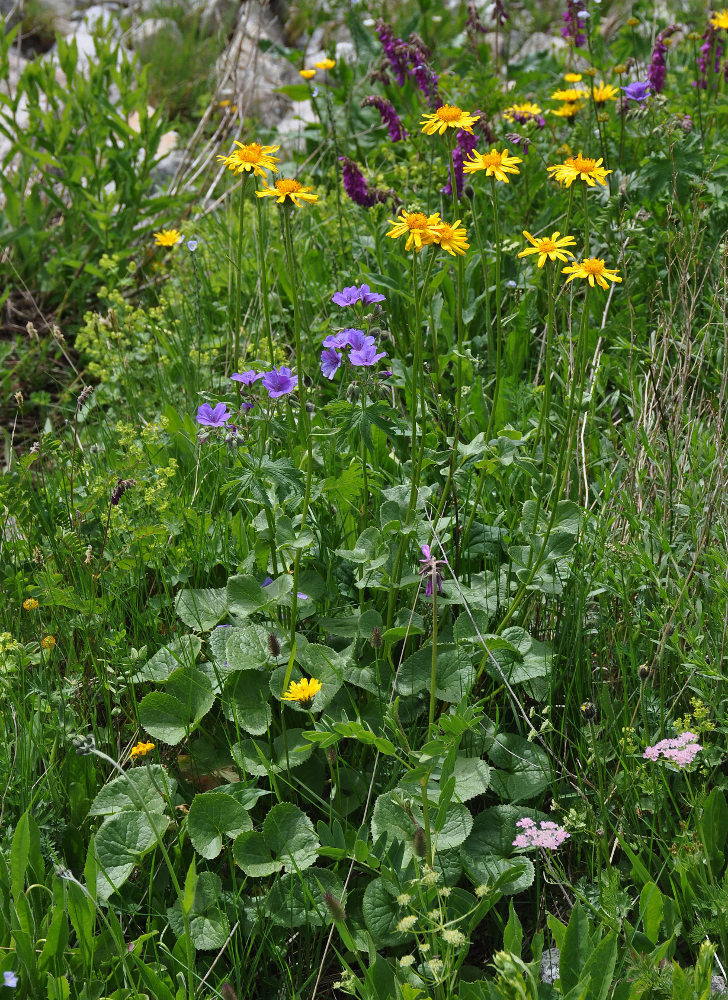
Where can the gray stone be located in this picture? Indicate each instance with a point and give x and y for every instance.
(550, 966)
(147, 34)
(718, 985)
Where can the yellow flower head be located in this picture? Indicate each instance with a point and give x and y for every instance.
(593, 270)
(307, 74)
(302, 691)
(552, 247)
(141, 749)
(580, 168)
(572, 77)
(571, 95)
(621, 68)
(720, 20)
(48, 642)
(30, 604)
(632, 22)
(452, 239)
(567, 110)
(494, 163)
(167, 238)
(288, 188)
(590, 71)
(325, 64)
(604, 92)
(522, 113)
(251, 156)
(420, 229)
(448, 116)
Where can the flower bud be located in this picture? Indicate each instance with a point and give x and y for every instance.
(419, 844)
(274, 646)
(375, 639)
(337, 911)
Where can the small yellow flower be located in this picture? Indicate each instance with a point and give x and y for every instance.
(325, 64)
(522, 112)
(604, 92)
(591, 71)
(224, 104)
(288, 188)
(567, 110)
(448, 116)
(48, 642)
(572, 77)
(494, 163)
(593, 270)
(580, 168)
(720, 20)
(552, 247)
(632, 22)
(141, 749)
(571, 95)
(307, 74)
(420, 229)
(167, 238)
(452, 239)
(251, 156)
(302, 691)
(620, 68)
(30, 604)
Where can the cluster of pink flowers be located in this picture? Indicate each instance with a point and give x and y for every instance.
(551, 835)
(681, 750)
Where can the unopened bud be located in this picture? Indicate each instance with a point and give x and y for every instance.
(84, 396)
(228, 993)
(331, 755)
(57, 335)
(375, 639)
(120, 489)
(31, 331)
(644, 672)
(419, 844)
(337, 911)
(274, 646)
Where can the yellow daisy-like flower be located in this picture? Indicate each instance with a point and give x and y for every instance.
(604, 92)
(30, 604)
(167, 238)
(552, 247)
(572, 77)
(571, 95)
(251, 156)
(621, 68)
(580, 168)
(567, 110)
(325, 64)
(593, 269)
(632, 22)
(448, 116)
(452, 239)
(420, 229)
(307, 74)
(720, 20)
(522, 112)
(302, 691)
(288, 188)
(494, 163)
(141, 749)
(48, 642)
(591, 71)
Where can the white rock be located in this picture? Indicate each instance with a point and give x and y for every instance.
(154, 30)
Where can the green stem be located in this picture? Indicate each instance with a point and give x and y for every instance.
(486, 279)
(424, 782)
(433, 667)
(460, 283)
(239, 271)
(498, 338)
(263, 272)
(365, 503)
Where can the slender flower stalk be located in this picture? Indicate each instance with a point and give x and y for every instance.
(498, 330)
(239, 269)
(263, 273)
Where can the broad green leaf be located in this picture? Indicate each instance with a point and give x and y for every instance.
(253, 855)
(599, 967)
(121, 842)
(245, 701)
(488, 853)
(454, 675)
(576, 950)
(201, 609)
(209, 925)
(714, 828)
(297, 899)
(472, 778)
(149, 784)
(254, 756)
(290, 835)
(245, 595)
(179, 653)
(213, 815)
(651, 907)
(520, 769)
(521, 658)
(172, 715)
(382, 913)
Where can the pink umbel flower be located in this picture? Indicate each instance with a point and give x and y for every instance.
(680, 750)
(550, 835)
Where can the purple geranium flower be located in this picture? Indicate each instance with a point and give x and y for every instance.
(348, 297)
(279, 382)
(366, 355)
(247, 378)
(10, 979)
(368, 297)
(337, 340)
(216, 416)
(637, 91)
(357, 339)
(330, 362)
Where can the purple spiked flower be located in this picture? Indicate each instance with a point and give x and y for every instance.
(279, 382)
(572, 24)
(366, 356)
(389, 116)
(464, 145)
(431, 568)
(330, 362)
(355, 184)
(216, 416)
(657, 70)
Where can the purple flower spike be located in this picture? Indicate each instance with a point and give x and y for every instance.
(348, 297)
(337, 340)
(431, 570)
(368, 297)
(366, 356)
(330, 362)
(637, 91)
(247, 378)
(216, 416)
(357, 339)
(657, 70)
(279, 382)
(389, 116)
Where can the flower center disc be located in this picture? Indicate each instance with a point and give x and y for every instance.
(250, 154)
(449, 113)
(492, 159)
(583, 164)
(417, 221)
(547, 246)
(288, 186)
(593, 266)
